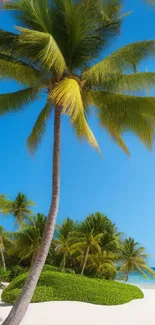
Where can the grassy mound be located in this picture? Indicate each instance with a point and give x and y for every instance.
(61, 286)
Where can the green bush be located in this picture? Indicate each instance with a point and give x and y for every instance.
(41, 294)
(57, 269)
(16, 270)
(60, 286)
(4, 275)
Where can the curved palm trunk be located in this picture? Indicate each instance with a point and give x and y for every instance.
(64, 262)
(127, 277)
(3, 259)
(19, 309)
(85, 260)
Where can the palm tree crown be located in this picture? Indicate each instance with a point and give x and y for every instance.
(53, 50)
(20, 208)
(134, 258)
(64, 238)
(28, 239)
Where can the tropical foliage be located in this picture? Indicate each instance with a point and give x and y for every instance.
(134, 258)
(60, 286)
(93, 247)
(70, 36)
(19, 208)
(55, 52)
(28, 240)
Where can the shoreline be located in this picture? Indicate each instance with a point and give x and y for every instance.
(136, 312)
(149, 286)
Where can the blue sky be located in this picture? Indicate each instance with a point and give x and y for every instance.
(122, 188)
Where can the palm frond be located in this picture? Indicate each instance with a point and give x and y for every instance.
(16, 101)
(130, 82)
(31, 13)
(119, 113)
(34, 46)
(21, 72)
(83, 29)
(124, 59)
(49, 53)
(67, 96)
(39, 128)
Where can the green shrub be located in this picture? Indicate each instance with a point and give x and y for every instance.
(57, 269)
(41, 294)
(4, 275)
(17, 270)
(60, 286)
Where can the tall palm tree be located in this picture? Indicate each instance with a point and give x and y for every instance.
(52, 52)
(134, 258)
(28, 239)
(20, 208)
(87, 240)
(64, 238)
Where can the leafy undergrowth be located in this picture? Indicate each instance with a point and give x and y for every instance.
(56, 286)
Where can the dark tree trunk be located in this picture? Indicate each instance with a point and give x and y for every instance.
(85, 260)
(19, 309)
(3, 259)
(127, 277)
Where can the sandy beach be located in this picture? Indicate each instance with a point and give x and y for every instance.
(137, 312)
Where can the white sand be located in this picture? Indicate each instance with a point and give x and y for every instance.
(137, 312)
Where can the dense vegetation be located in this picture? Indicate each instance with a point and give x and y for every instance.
(61, 286)
(93, 247)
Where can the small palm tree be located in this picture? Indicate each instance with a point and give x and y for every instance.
(28, 238)
(64, 239)
(103, 264)
(87, 240)
(133, 258)
(52, 53)
(2, 247)
(20, 208)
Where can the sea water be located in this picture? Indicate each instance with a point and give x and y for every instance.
(137, 277)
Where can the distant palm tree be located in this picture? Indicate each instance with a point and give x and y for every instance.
(52, 53)
(2, 247)
(64, 238)
(5, 244)
(87, 240)
(18, 208)
(133, 258)
(102, 263)
(28, 238)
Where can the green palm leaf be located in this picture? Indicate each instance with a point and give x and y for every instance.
(39, 128)
(130, 82)
(119, 113)
(34, 13)
(17, 100)
(67, 95)
(35, 46)
(126, 58)
(49, 53)
(21, 72)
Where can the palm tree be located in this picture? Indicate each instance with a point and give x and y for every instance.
(133, 258)
(2, 247)
(111, 240)
(52, 53)
(64, 239)
(87, 240)
(19, 208)
(103, 263)
(28, 239)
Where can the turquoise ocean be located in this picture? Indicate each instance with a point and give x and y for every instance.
(136, 277)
